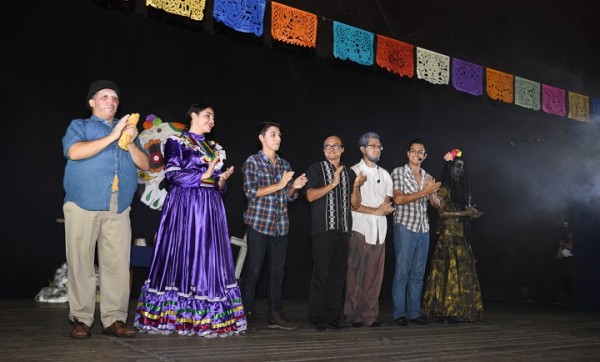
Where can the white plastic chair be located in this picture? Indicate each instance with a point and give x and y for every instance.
(239, 262)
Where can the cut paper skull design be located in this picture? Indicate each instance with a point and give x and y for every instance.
(153, 138)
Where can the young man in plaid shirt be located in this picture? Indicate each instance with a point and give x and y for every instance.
(268, 187)
(414, 189)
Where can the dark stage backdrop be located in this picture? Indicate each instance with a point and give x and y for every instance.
(528, 169)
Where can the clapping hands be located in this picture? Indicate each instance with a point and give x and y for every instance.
(431, 186)
(385, 208)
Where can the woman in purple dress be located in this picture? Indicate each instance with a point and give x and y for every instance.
(191, 287)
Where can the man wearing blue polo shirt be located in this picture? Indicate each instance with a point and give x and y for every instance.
(100, 181)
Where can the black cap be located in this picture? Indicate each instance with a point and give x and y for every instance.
(100, 85)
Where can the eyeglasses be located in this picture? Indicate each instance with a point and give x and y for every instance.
(335, 147)
(379, 147)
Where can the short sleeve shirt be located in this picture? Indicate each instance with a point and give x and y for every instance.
(412, 215)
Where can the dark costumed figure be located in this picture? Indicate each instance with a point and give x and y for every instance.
(452, 292)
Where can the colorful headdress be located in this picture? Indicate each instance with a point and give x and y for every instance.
(450, 156)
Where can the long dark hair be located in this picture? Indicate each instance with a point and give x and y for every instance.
(460, 194)
(459, 187)
(194, 108)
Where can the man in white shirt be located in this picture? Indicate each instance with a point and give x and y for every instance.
(366, 255)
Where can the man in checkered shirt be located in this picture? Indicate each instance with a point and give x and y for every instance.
(268, 187)
(413, 190)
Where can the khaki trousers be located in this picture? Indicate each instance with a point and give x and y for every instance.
(111, 232)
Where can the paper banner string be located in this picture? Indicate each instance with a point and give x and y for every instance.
(527, 93)
(298, 27)
(245, 16)
(553, 100)
(579, 107)
(352, 43)
(499, 85)
(193, 9)
(595, 109)
(433, 67)
(396, 56)
(467, 77)
(293, 26)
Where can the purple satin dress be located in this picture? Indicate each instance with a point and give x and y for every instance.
(191, 287)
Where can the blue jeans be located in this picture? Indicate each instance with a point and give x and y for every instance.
(411, 250)
(259, 246)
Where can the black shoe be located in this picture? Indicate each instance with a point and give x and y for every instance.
(250, 317)
(375, 324)
(357, 324)
(401, 321)
(420, 320)
(277, 321)
(321, 326)
(336, 326)
(454, 320)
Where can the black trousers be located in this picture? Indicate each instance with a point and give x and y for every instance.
(330, 259)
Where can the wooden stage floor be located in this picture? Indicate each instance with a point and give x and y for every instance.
(32, 331)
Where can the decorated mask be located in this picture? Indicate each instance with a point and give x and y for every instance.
(458, 168)
(153, 139)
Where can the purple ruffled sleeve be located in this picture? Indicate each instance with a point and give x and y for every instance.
(178, 170)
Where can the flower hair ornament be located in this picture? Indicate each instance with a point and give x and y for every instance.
(454, 153)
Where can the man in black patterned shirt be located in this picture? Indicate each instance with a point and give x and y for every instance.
(329, 190)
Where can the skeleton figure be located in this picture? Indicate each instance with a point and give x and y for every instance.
(153, 138)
